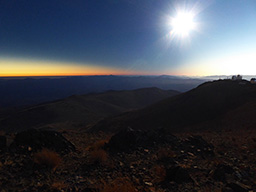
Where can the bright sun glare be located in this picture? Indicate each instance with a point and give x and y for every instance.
(183, 23)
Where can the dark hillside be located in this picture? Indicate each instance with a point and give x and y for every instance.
(82, 110)
(208, 101)
(18, 92)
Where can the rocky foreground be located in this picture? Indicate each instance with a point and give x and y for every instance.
(128, 161)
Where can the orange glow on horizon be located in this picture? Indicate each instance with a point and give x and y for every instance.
(58, 75)
(27, 68)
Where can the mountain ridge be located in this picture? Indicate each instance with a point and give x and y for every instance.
(26, 92)
(81, 110)
(208, 102)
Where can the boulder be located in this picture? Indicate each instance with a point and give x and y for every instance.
(177, 174)
(126, 140)
(162, 136)
(129, 139)
(34, 140)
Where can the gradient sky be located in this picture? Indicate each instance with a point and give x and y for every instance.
(98, 37)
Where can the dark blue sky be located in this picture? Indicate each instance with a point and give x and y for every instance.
(129, 35)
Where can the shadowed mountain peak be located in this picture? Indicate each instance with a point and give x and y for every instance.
(207, 102)
(79, 111)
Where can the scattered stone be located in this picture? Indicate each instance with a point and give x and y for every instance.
(141, 166)
(148, 183)
(191, 154)
(227, 189)
(197, 145)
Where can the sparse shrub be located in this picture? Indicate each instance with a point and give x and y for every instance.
(118, 185)
(160, 173)
(99, 144)
(98, 156)
(48, 158)
(185, 165)
(59, 186)
(164, 154)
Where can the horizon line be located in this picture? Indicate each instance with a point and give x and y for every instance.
(194, 76)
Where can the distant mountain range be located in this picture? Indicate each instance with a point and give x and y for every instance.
(79, 111)
(215, 77)
(20, 92)
(222, 104)
(212, 105)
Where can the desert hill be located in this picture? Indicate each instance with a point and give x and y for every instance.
(210, 104)
(81, 110)
(135, 160)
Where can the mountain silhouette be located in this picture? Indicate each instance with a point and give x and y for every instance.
(82, 110)
(20, 92)
(211, 104)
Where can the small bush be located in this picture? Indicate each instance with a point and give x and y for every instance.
(47, 158)
(99, 144)
(59, 186)
(164, 154)
(98, 156)
(160, 173)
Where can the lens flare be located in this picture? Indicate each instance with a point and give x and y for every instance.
(183, 23)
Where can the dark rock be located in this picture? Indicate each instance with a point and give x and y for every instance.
(238, 187)
(178, 174)
(34, 140)
(129, 139)
(2, 142)
(126, 140)
(162, 136)
(220, 173)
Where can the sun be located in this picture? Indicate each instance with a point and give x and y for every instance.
(183, 23)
